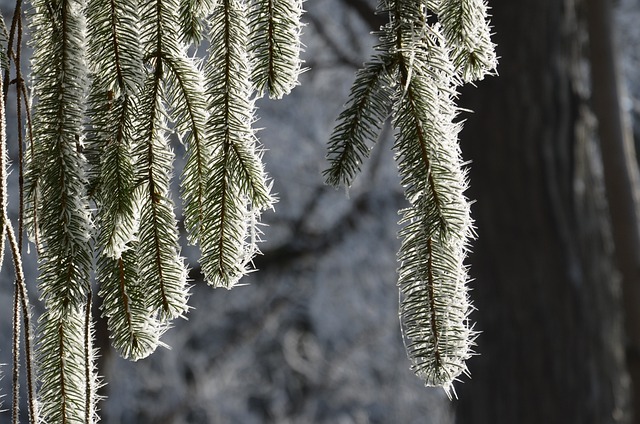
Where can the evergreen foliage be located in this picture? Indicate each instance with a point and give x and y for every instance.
(64, 223)
(238, 185)
(135, 331)
(414, 78)
(275, 44)
(113, 80)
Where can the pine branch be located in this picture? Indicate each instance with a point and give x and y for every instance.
(360, 122)
(161, 28)
(231, 109)
(414, 62)
(368, 107)
(64, 224)
(238, 184)
(161, 269)
(434, 304)
(466, 27)
(117, 202)
(189, 112)
(275, 45)
(134, 331)
(115, 59)
(111, 139)
(113, 46)
(432, 277)
(192, 14)
(62, 367)
(225, 254)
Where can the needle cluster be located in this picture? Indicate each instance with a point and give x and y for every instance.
(113, 83)
(426, 51)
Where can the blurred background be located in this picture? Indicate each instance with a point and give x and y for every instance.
(313, 336)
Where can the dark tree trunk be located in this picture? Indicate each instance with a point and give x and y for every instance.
(620, 178)
(548, 297)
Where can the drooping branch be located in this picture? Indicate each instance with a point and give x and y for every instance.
(422, 68)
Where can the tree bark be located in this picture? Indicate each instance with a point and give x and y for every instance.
(620, 176)
(546, 289)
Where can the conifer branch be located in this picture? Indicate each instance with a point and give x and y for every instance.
(466, 27)
(117, 202)
(65, 225)
(115, 60)
(189, 112)
(162, 270)
(415, 59)
(134, 330)
(62, 366)
(192, 17)
(360, 123)
(58, 169)
(231, 109)
(238, 183)
(224, 252)
(432, 277)
(275, 45)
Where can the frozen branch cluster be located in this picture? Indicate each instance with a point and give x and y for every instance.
(426, 51)
(112, 80)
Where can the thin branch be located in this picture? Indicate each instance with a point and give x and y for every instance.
(16, 356)
(17, 13)
(21, 295)
(26, 317)
(19, 89)
(88, 364)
